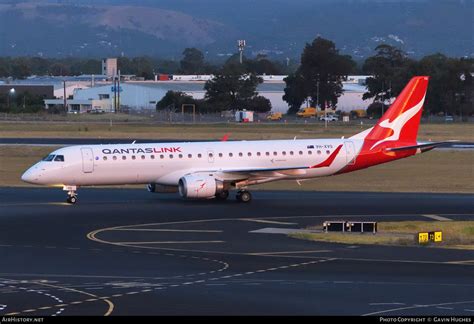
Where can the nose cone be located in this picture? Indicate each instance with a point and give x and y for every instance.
(31, 175)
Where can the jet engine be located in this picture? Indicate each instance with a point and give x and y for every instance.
(199, 186)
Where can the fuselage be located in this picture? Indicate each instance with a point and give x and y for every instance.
(166, 163)
(211, 169)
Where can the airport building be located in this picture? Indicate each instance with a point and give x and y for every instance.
(109, 67)
(95, 93)
(145, 95)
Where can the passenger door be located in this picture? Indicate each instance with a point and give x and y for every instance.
(87, 160)
(350, 152)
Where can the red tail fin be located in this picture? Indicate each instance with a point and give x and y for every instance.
(400, 123)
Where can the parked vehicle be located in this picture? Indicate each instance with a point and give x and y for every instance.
(307, 112)
(275, 116)
(329, 118)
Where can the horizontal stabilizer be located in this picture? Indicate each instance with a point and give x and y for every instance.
(421, 146)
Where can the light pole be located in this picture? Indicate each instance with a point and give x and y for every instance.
(241, 45)
(317, 93)
(11, 92)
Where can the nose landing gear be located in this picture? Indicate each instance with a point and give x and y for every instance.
(71, 194)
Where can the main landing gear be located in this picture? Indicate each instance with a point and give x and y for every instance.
(223, 195)
(71, 194)
(244, 196)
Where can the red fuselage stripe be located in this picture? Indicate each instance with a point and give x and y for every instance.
(329, 160)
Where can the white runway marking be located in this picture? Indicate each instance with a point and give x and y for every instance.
(169, 242)
(290, 252)
(437, 217)
(385, 304)
(166, 230)
(417, 306)
(266, 221)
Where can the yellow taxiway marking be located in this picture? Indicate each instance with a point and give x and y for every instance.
(166, 230)
(109, 303)
(169, 242)
(94, 235)
(266, 221)
(289, 252)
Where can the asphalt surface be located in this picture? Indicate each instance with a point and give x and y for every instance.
(93, 141)
(130, 252)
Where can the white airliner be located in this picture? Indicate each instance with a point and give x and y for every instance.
(211, 169)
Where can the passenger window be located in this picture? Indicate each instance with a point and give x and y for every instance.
(152, 157)
(190, 156)
(133, 157)
(220, 154)
(180, 156)
(104, 158)
(249, 154)
(114, 158)
(143, 157)
(171, 156)
(310, 152)
(211, 155)
(291, 152)
(124, 157)
(59, 158)
(267, 153)
(231, 155)
(284, 153)
(240, 154)
(300, 152)
(319, 152)
(275, 153)
(162, 156)
(327, 152)
(199, 155)
(258, 153)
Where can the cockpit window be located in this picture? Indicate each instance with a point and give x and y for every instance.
(48, 158)
(59, 158)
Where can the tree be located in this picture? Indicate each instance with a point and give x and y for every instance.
(20, 68)
(389, 69)
(192, 62)
(174, 100)
(259, 104)
(295, 92)
(59, 69)
(450, 89)
(143, 67)
(231, 88)
(319, 76)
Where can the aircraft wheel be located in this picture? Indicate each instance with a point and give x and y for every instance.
(223, 195)
(244, 196)
(72, 200)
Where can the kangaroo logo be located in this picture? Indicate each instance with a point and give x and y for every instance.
(397, 124)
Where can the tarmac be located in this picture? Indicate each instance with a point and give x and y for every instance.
(131, 252)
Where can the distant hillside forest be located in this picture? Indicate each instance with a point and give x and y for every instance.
(278, 28)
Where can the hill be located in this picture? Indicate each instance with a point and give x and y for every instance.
(278, 28)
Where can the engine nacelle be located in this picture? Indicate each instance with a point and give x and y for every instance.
(199, 186)
(154, 187)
